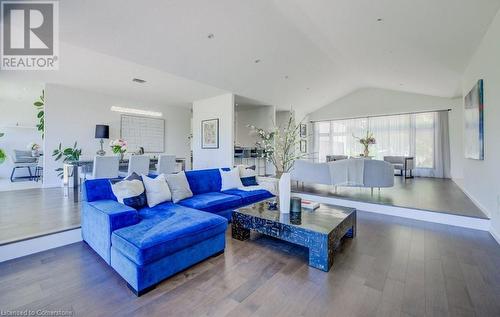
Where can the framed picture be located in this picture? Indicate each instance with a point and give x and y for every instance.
(474, 123)
(210, 134)
(303, 130)
(303, 146)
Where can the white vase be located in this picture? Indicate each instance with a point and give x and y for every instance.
(285, 193)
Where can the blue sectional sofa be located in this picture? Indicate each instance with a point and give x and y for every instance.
(148, 245)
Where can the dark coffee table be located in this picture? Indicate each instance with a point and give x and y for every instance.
(320, 230)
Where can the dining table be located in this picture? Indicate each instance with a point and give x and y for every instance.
(71, 171)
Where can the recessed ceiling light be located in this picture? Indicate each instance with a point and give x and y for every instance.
(138, 80)
(211, 36)
(136, 111)
(257, 61)
(380, 20)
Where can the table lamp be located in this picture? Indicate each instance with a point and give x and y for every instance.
(101, 132)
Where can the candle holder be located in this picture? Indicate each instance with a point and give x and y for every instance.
(296, 210)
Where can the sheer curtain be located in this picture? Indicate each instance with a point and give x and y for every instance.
(425, 136)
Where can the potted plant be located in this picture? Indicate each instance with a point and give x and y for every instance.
(366, 142)
(3, 156)
(70, 155)
(119, 147)
(34, 148)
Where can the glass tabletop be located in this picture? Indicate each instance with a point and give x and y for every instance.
(323, 219)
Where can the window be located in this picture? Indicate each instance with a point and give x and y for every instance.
(405, 135)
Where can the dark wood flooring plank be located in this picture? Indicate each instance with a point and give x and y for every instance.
(394, 267)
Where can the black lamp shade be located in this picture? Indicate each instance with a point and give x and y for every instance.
(101, 131)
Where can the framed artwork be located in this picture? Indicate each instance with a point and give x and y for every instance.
(303, 130)
(210, 134)
(303, 146)
(474, 123)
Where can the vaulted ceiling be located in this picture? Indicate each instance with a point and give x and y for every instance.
(300, 53)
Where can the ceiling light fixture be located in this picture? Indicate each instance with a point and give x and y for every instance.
(211, 36)
(138, 80)
(136, 111)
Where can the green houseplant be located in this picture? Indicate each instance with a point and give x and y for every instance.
(3, 156)
(39, 105)
(69, 154)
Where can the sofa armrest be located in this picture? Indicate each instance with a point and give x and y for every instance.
(100, 218)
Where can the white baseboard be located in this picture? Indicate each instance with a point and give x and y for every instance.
(460, 184)
(495, 235)
(410, 213)
(35, 245)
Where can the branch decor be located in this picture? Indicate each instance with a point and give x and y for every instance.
(280, 145)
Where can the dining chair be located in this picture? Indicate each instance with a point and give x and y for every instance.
(138, 164)
(102, 167)
(166, 165)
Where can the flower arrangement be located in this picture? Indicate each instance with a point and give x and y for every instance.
(280, 145)
(366, 142)
(118, 146)
(33, 146)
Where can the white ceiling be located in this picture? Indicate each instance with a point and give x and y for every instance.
(89, 70)
(311, 52)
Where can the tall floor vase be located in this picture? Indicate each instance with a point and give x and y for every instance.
(285, 193)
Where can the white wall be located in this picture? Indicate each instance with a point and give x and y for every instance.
(259, 116)
(375, 101)
(71, 115)
(222, 108)
(17, 121)
(482, 178)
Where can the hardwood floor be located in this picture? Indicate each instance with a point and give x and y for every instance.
(35, 212)
(394, 267)
(432, 194)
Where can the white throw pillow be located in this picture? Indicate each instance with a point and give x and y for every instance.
(179, 186)
(230, 179)
(126, 189)
(245, 171)
(157, 190)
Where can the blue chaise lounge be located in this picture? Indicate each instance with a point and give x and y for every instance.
(148, 245)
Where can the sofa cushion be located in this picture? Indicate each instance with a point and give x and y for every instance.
(250, 197)
(212, 202)
(204, 181)
(170, 229)
(249, 181)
